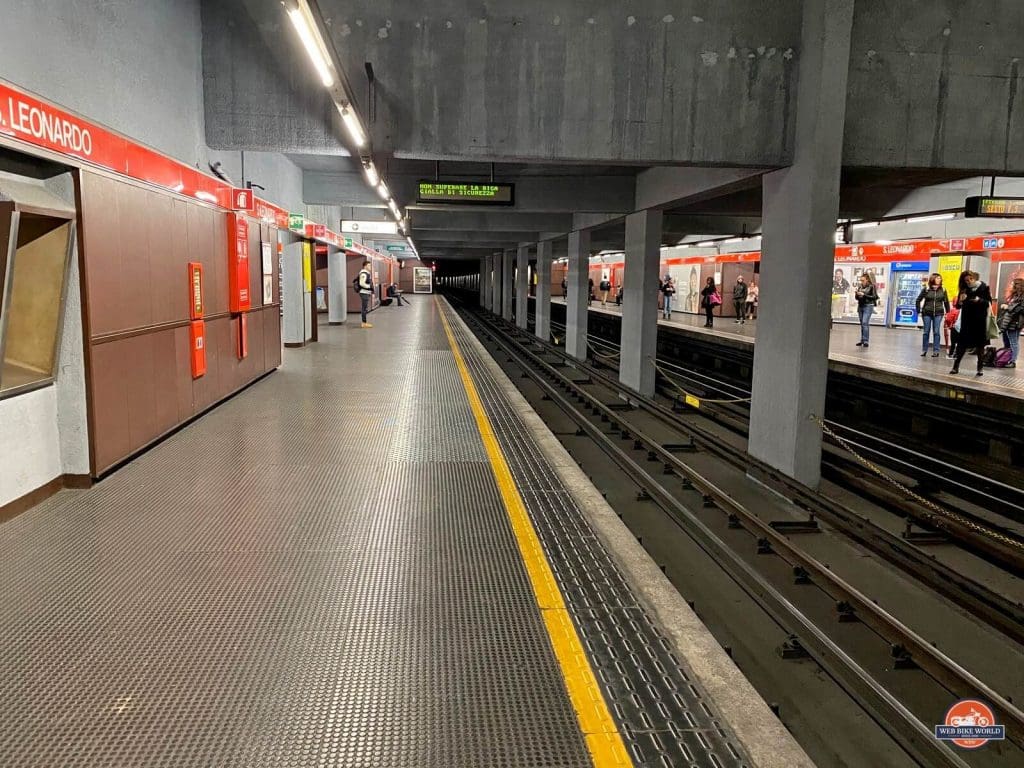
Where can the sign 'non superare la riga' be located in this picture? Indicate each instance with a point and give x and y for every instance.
(465, 192)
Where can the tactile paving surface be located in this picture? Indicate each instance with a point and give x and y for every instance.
(663, 715)
(319, 572)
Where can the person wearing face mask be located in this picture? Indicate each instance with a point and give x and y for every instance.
(974, 303)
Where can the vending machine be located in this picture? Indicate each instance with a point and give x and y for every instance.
(908, 277)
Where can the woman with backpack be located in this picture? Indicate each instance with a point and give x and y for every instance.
(709, 299)
(932, 306)
(975, 310)
(1011, 320)
(867, 298)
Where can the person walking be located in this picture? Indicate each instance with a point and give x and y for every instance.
(739, 300)
(867, 299)
(1011, 320)
(365, 283)
(752, 292)
(709, 299)
(932, 306)
(668, 290)
(975, 310)
(605, 286)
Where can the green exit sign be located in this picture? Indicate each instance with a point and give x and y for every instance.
(465, 193)
(394, 248)
(296, 221)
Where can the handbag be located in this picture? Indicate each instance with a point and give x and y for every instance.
(993, 327)
(716, 299)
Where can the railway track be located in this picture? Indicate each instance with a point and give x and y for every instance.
(887, 667)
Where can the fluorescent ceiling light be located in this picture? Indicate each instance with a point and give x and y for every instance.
(839, 236)
(394, 209)
(371, 174)
(706, 244)
(932, 217)
(312, 45)
(353, 126)
(731, 240)
(883, 242)
(864, 224)
(382, 190)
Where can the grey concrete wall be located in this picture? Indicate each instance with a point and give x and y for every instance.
(936, 84)
(134, 66)
(656, 81)
(261, 91)
(279, 175)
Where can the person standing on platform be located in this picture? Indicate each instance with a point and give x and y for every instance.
(668, 290)
(590, 290)
(618, 296)
(709, 299)
(565, 289)
(365, 282)
(605, 287)
(932, 306)
(752, 292)
(739, 300)
(975, 310)
(867, 299)
(1011, 320)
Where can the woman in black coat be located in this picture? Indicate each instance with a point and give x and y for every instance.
(974, 302)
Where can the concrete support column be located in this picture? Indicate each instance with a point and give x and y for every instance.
(507, 281)
(484, 283)
(799, 209)
(496, 262)
(295, 301)
(338, 287)
(639, 339)
(576, 301)
(522, 285)
(542, 301)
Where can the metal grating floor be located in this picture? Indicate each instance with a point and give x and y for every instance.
(664, 716)
(317, 573)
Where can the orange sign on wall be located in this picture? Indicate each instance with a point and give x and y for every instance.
(239, 299)
(197, 335)
(195, 288)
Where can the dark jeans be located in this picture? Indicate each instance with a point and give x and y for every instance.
(865, 314)
(741, 309)
(933, 328)
(364, 305)
(961, 350)
(708, 311)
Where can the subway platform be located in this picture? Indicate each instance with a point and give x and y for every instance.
(893, 357)
(375, 556)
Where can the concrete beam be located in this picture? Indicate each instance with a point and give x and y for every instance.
(663, 187)
(471, 237)
(489, 221)
(507, 283)
(534, 194)
(639, 342)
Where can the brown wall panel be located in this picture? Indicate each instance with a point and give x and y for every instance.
(136, 291)
(169, 278)
(109, 389)
(101, 244)
(165, 380)
(183, 377)
(141, 389)
(135, 247)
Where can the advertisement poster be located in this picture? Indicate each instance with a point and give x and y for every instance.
(307, 268)
(1008, 272)
(909, 277)
(950, 267)
(268, 273)
(422, 280)
(844, 287)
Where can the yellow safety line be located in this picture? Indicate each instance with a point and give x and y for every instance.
(595, 720)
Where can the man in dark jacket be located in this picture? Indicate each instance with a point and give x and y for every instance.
(739, 300)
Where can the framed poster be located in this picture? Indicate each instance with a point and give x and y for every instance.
(422, 280)
(1008, 272)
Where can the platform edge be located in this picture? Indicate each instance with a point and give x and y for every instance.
(760, 733)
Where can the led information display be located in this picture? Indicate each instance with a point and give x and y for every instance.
(997, 207)
(469, 192)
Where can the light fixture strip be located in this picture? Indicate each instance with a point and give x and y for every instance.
(310, 37)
